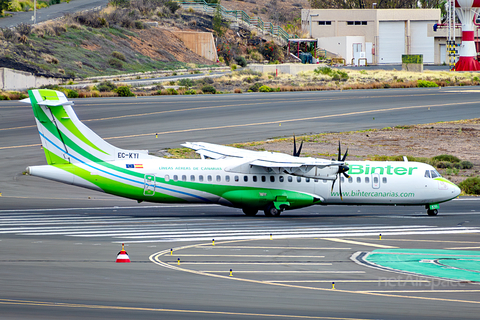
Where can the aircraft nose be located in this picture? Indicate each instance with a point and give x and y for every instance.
(456, 191)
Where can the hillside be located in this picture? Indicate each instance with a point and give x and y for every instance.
(115, 40)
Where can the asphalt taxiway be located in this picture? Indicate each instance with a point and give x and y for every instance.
(59, 243)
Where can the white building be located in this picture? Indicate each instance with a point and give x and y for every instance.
(381, 35)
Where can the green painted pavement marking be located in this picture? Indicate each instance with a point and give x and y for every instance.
(451, 264)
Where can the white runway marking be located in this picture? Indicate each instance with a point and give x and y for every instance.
(129, 229)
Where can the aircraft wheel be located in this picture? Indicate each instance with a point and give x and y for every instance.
(433, 212)
(250, 212)
(272, 211)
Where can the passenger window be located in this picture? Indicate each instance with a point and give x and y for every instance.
(325, 181)
(343, 179)
(200, 178)
(227, 178)
(245, 178)
(315, 180)
(299, 179)
(367, 180)
(272, 179)
(281, 178)
(219, 178)
(184, 178)
(307, 180)
(209, 178)
(375, 180)
(433, 173)
(167, 177)
(290, 179)
(427, 173)
(359, 179)
(192, 178)
(175, 178)
(237, 178)
(254, 178)
(350, 180)
(264, 179)
(384, 179)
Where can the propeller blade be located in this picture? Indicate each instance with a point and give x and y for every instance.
(294, 147)
(296, 153)
(333, 183)
(300, 149)
(346, 175)
(345, 155)
(340, 188)
(339, 151)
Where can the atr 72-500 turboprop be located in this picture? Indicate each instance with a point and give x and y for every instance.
(250, 180)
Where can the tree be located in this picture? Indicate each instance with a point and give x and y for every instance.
(4, 5)
(219, 26)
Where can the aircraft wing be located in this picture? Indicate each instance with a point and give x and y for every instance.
(277, 162)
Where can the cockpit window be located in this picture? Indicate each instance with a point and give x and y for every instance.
(427, 173)
(434, 174)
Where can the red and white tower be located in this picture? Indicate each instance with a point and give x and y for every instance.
(466, 12)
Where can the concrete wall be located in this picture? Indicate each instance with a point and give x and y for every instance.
(15, 80)
(343, 46)
(202, 43)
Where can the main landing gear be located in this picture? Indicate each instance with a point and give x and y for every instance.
(270, 211)
(432, 212)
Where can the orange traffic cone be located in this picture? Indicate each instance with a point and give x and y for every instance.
(122, 256)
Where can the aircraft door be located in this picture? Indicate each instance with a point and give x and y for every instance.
(375, 181)
(149, 185)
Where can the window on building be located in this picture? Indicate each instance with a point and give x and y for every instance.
(324, 23)
(356, 23)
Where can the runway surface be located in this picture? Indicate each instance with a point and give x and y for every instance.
(59, 243)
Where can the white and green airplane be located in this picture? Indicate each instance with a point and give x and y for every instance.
(250, 180)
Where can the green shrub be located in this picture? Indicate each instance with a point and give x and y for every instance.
(470, 185)
(446, 157)
(172, 6)
(425, 83)
(233, 67)
(265, 89)
(255, 87)
(106, 86)
(172, 91)
(139, 25)
(209, 89)
(72, 93)
(124, 91)
(323, 70)
(115, 63)
(466, 164)
(186, 82)
(191, 91)
(241, 61)
(118, 55)
(444, 164)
